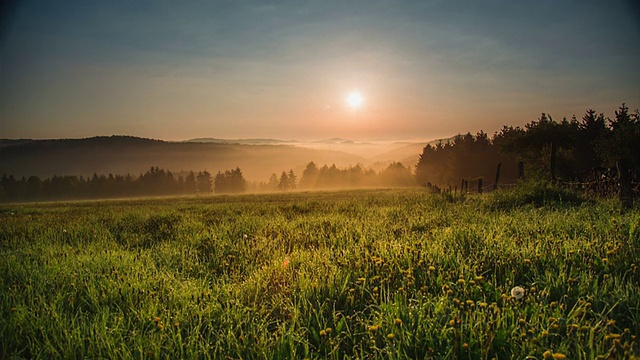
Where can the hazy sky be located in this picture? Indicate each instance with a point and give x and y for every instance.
(176, 70)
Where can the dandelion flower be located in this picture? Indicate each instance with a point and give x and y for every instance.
(390, 336)
(517, 292)
(397, 321)
(559, 356)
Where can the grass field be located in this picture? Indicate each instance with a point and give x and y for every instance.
(354, 274)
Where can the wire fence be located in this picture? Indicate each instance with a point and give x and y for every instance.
(603, 187)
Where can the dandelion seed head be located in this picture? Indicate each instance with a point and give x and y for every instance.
(517, 292)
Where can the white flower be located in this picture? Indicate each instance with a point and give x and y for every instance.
(245, 236)
(517, 292)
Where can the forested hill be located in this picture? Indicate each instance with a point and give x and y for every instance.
(126, 154)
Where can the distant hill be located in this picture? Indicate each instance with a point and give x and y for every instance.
(239, 141)
(126, 154)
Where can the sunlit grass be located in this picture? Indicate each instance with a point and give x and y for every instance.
(383, 274)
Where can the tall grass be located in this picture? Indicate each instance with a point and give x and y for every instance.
(358, 274)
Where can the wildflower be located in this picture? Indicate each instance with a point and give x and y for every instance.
(390, 336)
(245, 236)
(323, 333)
(397, 322)
(465, 346)
(285, 263)
(461, 281)
(559, 356)
(517, 292)
(612, 336)
(432, 268)
(374, 328)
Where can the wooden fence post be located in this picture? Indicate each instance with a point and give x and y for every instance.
(480, 186)
(495, 184)
(521, 170)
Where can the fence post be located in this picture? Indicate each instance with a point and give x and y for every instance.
(495, 184)
(480, 186)
(521, 170)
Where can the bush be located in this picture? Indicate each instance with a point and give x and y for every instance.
(537, 193)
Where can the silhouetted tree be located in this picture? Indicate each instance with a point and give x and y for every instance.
(272, 185)
(309, 176)
(203, 182)
(397, 174)
(292, 180)
(540, 142)
(283, 184)
(620, 147)
(190, 183)
(231, 181)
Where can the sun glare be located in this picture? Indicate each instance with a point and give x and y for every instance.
(355, 100)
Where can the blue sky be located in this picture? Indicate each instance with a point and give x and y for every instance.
(282, 69)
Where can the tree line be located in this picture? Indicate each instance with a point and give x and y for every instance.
(332, 177)
(157, 182)
(154, 182)
(595, 153)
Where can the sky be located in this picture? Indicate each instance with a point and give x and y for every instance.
(176, 70)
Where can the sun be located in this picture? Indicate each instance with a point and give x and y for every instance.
(355, 100)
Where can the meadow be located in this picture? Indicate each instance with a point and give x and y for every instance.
(361, 274)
